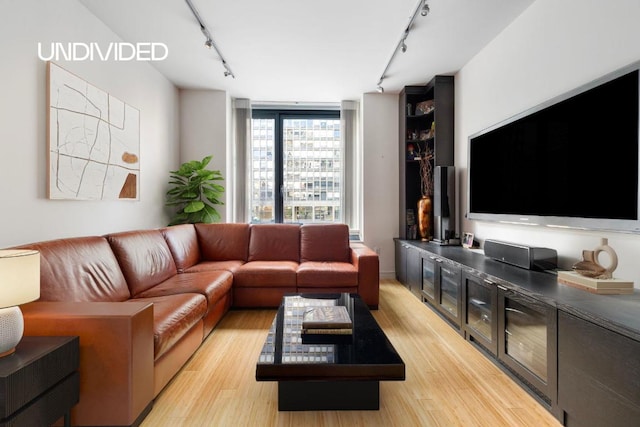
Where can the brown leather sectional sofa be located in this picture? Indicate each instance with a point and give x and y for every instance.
(143, 301)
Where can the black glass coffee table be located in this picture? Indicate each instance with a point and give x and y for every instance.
(327, 372)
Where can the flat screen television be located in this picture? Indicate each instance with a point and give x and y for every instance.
(571, 162)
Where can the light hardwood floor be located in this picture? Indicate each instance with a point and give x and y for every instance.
(448, 382)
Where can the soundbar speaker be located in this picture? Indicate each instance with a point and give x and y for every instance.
(523, 256)
(444, 205)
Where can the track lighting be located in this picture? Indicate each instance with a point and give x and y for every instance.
(209, 44)
(423, 8)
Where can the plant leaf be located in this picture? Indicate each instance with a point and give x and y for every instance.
(210, 214)
(205, 162)
(194, 206)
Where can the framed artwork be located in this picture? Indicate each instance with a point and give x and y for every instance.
(93, 141)
(467, 240)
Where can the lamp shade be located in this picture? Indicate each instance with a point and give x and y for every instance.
(19, 277)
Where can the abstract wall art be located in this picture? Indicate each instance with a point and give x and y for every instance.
(93, 141)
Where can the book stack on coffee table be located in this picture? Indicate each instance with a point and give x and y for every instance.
(327, 320)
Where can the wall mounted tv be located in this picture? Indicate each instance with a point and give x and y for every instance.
(571, 162)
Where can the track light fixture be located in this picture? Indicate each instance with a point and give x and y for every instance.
(209, 43)
(423, 8)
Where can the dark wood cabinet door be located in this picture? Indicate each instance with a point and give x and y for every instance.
(480, 297)
(598, 375)
(527, 342)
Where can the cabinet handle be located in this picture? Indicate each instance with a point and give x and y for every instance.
(502, 288)
(432, 257)
(438, 260)
(514, 310)
(489, 282)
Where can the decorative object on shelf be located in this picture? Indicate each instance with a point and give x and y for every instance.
(409, 109)
(428, 134)
(195, 192)
(425, 207)
(590, 267)
(93, 141)
(412, 154)
(595, 286)
(591, 276)
(425, 204)
(425, 107)
(467, 240)
(19, 284)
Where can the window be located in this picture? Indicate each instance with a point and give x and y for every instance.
(296, 166)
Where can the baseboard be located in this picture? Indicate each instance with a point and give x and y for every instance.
(387, 274)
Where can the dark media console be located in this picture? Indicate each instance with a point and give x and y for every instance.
(574, 351)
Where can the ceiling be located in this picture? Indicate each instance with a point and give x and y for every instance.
(308, 51)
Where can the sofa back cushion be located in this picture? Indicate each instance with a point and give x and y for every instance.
(274, 242)
(223, 242)
(79, 269)
(183, 244)
(144, 257)
(324, 242)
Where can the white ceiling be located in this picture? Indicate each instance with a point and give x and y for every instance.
(308, 51)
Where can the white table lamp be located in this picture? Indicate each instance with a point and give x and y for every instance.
(19, 284)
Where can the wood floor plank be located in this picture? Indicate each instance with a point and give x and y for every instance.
(449, 382)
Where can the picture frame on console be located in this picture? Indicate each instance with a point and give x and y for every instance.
(467, 240)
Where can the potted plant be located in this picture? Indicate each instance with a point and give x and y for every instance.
(195, 193)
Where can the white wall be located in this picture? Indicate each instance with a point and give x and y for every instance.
(553, 47)
(204, 132)
(26, 214)
(380, 176)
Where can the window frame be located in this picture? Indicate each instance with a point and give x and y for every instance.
(279, 115)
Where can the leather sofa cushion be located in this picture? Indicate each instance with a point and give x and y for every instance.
(231, 265)
(173, 318)
(211, 284)
(223, 242)
(324, 242)
(183, 244)
(259, 274)
(79, 269)
(144, 257)
(323, 274)
(274, 242)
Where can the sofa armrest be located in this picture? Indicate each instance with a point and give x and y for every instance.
(368, 264)
(116, 355)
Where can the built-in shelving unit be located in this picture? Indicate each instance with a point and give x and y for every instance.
(426, 123)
